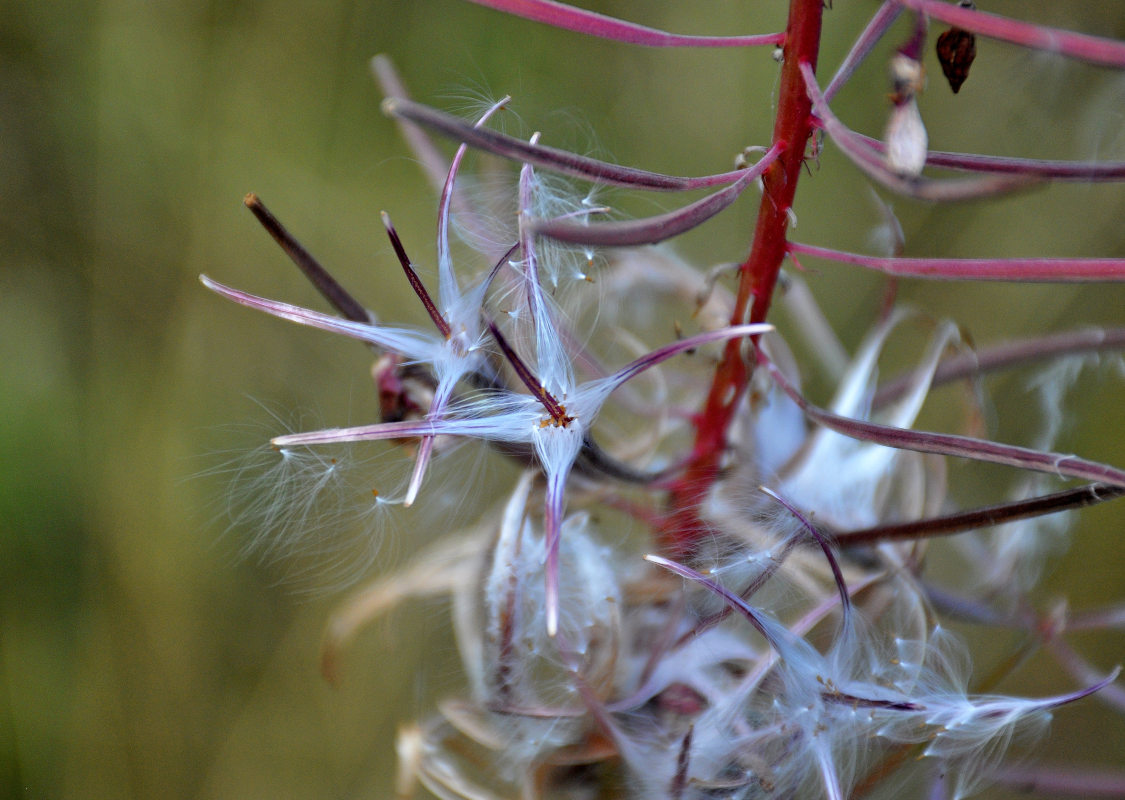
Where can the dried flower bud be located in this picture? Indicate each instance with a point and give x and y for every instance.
(956, 49)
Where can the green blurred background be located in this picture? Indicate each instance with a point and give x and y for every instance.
(139, 656)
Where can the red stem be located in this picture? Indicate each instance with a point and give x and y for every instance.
(757, 277)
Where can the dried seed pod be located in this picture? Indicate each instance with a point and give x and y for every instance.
(956, 49)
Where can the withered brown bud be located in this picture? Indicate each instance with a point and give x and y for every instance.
(956, 49)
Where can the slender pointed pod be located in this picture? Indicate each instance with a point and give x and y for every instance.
(410, 343)
(770, 631)
(659, 228)
(552, 158)
(591, 23)
(1048, 169)
(552, 363)
(415, 282)
(987, 516)
(775, 563)
(825, 547)
(332, 291)
(553, 407)
(1016, 270)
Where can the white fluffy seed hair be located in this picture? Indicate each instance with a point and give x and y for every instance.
(522, 665)
(321, 515)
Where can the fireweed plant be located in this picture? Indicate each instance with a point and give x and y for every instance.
(783, 637)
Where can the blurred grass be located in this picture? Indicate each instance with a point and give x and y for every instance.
(139, 657)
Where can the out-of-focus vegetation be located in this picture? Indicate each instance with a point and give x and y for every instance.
(139, 657)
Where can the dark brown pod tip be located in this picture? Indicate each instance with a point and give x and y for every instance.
(956, 49)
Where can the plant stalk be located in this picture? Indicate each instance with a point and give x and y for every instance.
(757, 279)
